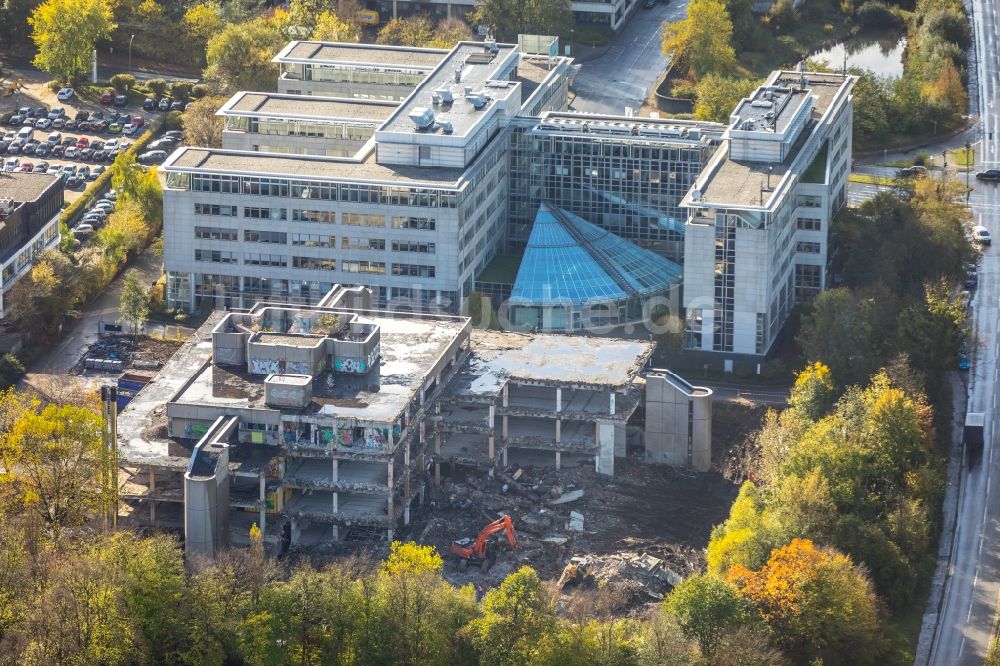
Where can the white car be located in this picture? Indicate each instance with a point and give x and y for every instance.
(12, 165)
(55, 138)
(64, 94)
(72, 153)
(111, 145)
(129, 129)
(981, 235)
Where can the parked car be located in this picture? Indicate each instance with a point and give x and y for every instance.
(3, 146)
(54, 138)
(971, 279)
(43, 123)
(981, 235)
(913, 172)
(87, 154)
(82, 142)
(164, 104)
(68, 170)
(72, 153)
(75, 182)
(992, 175)
(40, 112)
(11, 165)
(56, 112)
(26, 167)
(129, 129)
(138, 121)
(112, 144)
(58, 150)
(96, 115)
(15, 147)
(115, 127)
(121, 100)
(82, 115)
(173, 134)
(43, 150)
(964, 362)
(60, 123)
(96, 171)
(54, 170)
(69, 141)
(149, 104)
(107, 98)
(83, 227)
(41, 167)
(152, 157)
(29, 148)
(64, 94)
(177, 105)
(162, 144)
(100, 156)
(97, 126)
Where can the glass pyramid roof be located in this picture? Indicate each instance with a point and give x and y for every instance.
(571, 260)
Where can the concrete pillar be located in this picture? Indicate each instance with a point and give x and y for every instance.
(390, 502)
(492, 447)
(505, 396)
(437, 474)
(335, 472)
(605, 462)
(393, 16)
(558, 399)
(406, 453)
(296, 532)
(492, 416)
(612, 402)
(152, 480)
(558, 430)
(504, 431)
(406, 514)
(437, 442)
(152, 513)
(558, 460)
(263, 502)
(336, 502)
(504, 456)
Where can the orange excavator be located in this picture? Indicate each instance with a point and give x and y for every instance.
(483, 551)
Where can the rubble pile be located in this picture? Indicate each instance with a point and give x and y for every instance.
(641, 531)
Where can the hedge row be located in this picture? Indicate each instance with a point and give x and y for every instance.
(102, 183)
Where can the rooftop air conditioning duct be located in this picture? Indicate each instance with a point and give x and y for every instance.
(445, 95)
(491, 46)
(458, 74)
(447, 128)
(477, 100)
(422, 117)
(435, 99)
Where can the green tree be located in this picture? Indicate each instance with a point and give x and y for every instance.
(239, 57)
(449, 32)
(201, 126)
(716, 96)
(813, 393)
(406, 31)
(122, 82)
(517, 618)
(505, 19)
(702, 42)
(839, 332)
(707, 607)
(330, 28)
(134, 302)
(64, 46)
(201, 21)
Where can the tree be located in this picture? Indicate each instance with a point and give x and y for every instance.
(126, 233)
(201, 126)
(157, 86)
(134, 302)
(122, 82)
(330, 28)
(201, 21)
(813, 392)
(517, 617)
(819, 604)
(449, 32)
(746, 538)
(840, 332)
(947, 90)
(716, 96)
(65, 46)
(406, 31)
(239, 57)
(52, 460)
(703, 41)
(707, 607)
(505, 19)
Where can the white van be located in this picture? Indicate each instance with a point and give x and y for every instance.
(981, 235)
(25, 133)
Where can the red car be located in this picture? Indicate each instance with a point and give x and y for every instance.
(83, 143)
(26, 167)
(138, 121)
(107, 98)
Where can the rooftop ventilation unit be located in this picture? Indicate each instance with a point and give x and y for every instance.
(491, 46)
(761, 104)
(445, 95)
(446, 127)
(458, 73)
(6, 206)
(498, 84)
(422, 117)
(477, 100)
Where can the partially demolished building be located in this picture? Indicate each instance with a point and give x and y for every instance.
(327, 422)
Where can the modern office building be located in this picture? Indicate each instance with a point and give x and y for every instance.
(415, 197)
(610, 13)
(756, 238)
(30, 204)
(327, 422)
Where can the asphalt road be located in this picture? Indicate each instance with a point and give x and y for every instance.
(624, 75)
(968, 612)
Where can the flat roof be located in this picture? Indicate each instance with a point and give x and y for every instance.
(24, 187)
(629, 127)
(409, 349)
(567, 360)
(770, 108)
(479, 67)
(276, 105)
(359, 55)
(740, 183)
(308, 167)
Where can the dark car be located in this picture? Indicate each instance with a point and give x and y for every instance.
(40, 112)
(82, 115)
(915, 171)
(69, 141)
(97, 145)
(149, 104)
(98, 125)
(43, 150)
(41, 167)
(107, 98)
(162, 144)
(29, 148)
(87, 154)
(177, 105)
(75, 182)
(3, 146)
(58, 151)
(152, 157)
(96, 115)
(971, 280)
(83, 126)
(992, 175)
(100, 155)
(121, 100)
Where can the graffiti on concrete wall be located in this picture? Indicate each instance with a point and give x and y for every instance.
(195, 430)
(350, 365)
(270, 366)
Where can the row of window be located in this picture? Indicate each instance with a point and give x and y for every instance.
(311, 240)
(319, 216)
(313, 263)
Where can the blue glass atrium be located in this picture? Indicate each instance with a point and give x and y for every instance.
(574, 274)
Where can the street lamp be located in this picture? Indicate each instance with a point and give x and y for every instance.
(970, 159)
(130, 53)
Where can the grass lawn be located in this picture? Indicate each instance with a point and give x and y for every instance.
(870, 180)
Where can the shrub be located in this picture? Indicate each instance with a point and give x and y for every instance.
(156, 86)
(181, 317)
(922, 159)
(682, 88)
(11, 370)
(173, 121)
(200, 90)
(123, 82)
(54, 85)
(181, 89)
(874, 14)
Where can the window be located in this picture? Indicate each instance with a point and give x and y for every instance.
(423, 223)
(214, 209)
(216, 233)
(313, 240)
(413, 270)
(808, 282)
(323, 216)
(808, 201)
(808, 224)
(314, 263)
(265, 213)
(413, 246)
(363, 267)
(258, 259)
(362, 243)
(254, 236)
(216, 256)
(807, 247)
(425, 152)
(363, 219)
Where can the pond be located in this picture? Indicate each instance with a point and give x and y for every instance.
(882, 54)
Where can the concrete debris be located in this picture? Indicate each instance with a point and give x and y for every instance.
(566, 498)
(518, 474)
(556, 540)
(575, 523)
